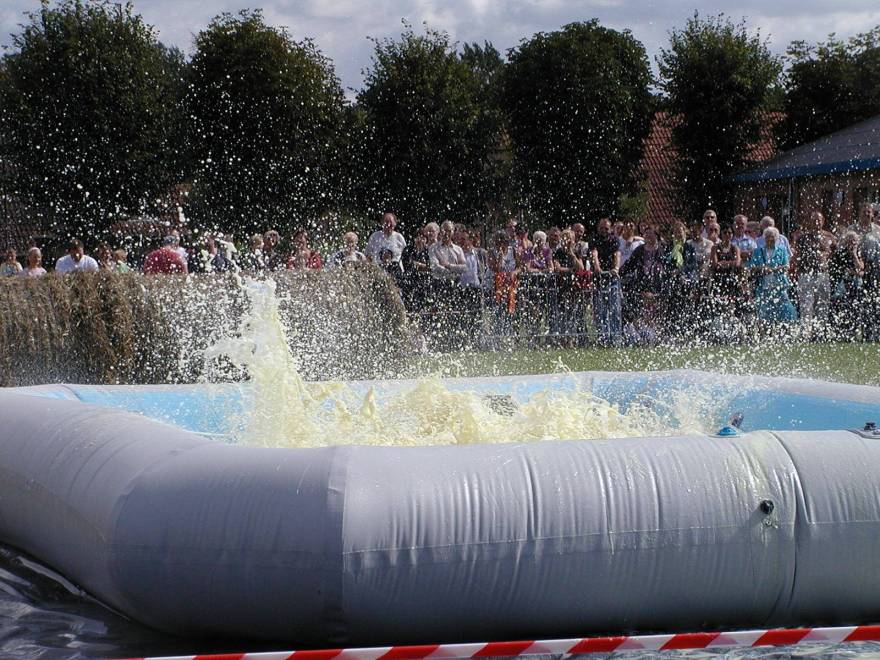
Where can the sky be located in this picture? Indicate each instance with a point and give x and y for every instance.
(341, 28)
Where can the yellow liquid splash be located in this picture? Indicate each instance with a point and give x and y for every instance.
(282, 410)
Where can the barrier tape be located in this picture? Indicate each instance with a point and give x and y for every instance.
(676, 642)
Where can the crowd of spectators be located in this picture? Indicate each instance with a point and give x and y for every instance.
(619, 284)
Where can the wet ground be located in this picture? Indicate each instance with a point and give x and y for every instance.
(45, 617)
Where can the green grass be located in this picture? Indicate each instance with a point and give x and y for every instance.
(850, 363)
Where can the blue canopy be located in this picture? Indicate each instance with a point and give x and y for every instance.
(852, 149)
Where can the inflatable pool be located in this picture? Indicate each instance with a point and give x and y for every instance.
(128, 492)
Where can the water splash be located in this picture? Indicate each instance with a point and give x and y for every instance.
(282, 409)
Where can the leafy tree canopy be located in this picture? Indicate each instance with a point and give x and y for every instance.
(718, 78)
(829, 86)
(264, 111)
(578, 109)
(87, 113)
(428, 139)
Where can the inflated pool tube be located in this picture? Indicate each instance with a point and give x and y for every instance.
(361, 545)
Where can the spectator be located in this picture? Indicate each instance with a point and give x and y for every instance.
(76, 260)
(415, 257)
(781, 242)
(870, 252)
(510, 228)
(10, 265)
(726, 263)
(447, 259)
(210, 258)
(682, 284)
(254, 260)
(386, 238)
(272, 257)
(486, 276)
(181, 251)
(226, 245)
(554, 237)
(713, 233)
(386, 262)
(846, 271)
(120, 256)
(539, 258)
(606, 293)
(430, 231)
(417, 269)
(865, 226)
(522, 242)
(166, 260)
(473, 284)
(303, 257)
(741, 239)
(813, 251)
(643, 275)
(566, 264)
(770, 264)
(709, 218)
(105, 258)
(350, 254)
(581, 246)
(702, 246)
(474, 260)
(34, 266)
(628, 241)
(505, 266)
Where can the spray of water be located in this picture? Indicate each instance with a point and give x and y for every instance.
(281, 409)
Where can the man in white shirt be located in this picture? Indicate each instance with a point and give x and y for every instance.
(76, 260)
(447, 258)
(865, 226)
(385, 239)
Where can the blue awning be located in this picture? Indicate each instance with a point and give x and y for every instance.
(852, 149)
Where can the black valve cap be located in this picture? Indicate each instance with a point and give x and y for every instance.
(767, 507)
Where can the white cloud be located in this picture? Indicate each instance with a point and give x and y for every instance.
(341, 27)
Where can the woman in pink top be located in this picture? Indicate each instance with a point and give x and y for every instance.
(34, 266)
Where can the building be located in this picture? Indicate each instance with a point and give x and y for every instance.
(834, 174)
(656, 169)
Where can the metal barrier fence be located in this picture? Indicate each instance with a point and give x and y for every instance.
(543, 313)
(548, 313)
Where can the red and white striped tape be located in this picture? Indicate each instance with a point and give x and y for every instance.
(681, 641)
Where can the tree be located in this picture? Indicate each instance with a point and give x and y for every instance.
(830, 86)
(578, 109)
(428, 139)
(718, 79)
(487, 64)
(264, 112)
(88, 115)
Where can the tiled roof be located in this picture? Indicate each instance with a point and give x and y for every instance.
(658, 159)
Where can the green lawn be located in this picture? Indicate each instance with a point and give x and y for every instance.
(851, 363)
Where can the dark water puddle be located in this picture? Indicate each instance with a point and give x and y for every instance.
(44, 616)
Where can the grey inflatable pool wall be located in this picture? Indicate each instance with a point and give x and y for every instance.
(380, 545)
